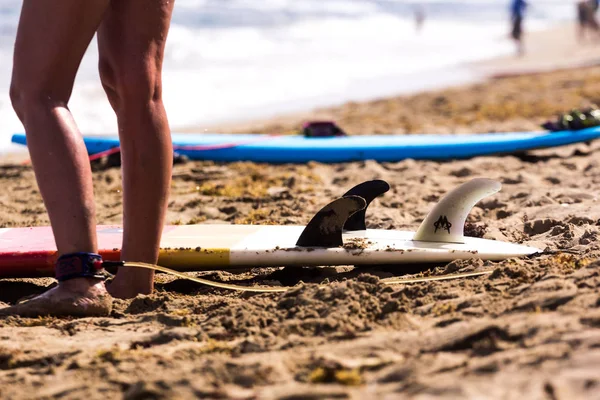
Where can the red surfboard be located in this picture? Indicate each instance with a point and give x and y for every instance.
(31, 252)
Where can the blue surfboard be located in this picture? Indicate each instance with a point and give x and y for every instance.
(300, 149)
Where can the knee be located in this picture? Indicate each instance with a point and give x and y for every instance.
(16, 100)
(30, 99)
(130, 86)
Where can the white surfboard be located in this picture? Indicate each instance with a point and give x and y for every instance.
(337, 235)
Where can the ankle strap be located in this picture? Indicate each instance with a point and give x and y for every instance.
(79, 265)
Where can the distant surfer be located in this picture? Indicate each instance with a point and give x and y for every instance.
(51, 40)
(586, 18)
(419, 17)
(517, 13)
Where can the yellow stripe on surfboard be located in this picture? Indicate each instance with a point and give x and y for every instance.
(197, 259)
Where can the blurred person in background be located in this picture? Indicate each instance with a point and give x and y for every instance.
(419, 17)
(517, 13)
(586, 18)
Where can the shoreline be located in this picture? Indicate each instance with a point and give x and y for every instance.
(549, 50)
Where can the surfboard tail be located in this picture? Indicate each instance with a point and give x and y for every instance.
(445, 223)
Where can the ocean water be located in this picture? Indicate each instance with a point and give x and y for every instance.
(230, 60)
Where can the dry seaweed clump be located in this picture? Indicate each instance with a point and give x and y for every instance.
(260, 216)
(357, 244)
(343, 376)
(566, 263)
(252, 180)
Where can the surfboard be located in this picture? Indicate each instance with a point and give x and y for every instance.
(300, 149)
(336, 235)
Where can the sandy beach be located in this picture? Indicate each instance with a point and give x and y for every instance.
(528, 330)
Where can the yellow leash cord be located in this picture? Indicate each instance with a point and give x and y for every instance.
(279, 289)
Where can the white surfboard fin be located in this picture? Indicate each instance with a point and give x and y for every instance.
(446, 222)
(369, 191)
(325, 228)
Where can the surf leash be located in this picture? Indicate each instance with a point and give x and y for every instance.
(200, 147)
(280, 289)
(93, 157)
(221, 146)
(105, 153)
(309, 129)
(203, 147)
(401, 281)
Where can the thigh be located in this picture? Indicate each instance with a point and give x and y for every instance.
(51, 40)
(132, 37)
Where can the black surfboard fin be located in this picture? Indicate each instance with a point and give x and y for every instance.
(325, 228)
(369, 191)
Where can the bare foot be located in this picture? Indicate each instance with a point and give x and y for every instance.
(130, 281)
(81, 297)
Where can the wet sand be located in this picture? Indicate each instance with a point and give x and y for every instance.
(528, 330)
(558, 48)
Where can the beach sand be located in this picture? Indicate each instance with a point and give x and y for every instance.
(528, 330)
(547, 50)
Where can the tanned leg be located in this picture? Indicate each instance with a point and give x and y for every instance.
(51, 40)
(131, 41)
